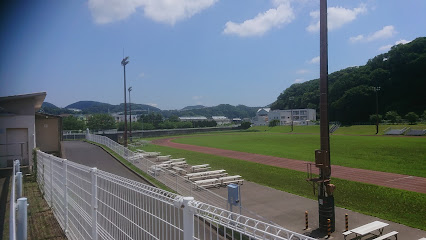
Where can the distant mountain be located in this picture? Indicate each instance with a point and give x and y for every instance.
(48, 105)
(90, 107)
(226, 110)
(193, 107)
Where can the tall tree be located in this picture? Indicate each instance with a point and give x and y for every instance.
(101, 121)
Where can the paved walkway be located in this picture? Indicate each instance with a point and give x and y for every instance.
(93, 156)
(392, 180)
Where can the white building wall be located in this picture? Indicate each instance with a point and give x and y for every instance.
(19, 122)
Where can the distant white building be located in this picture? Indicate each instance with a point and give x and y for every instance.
(120, 118)
(221, 120)
(300, 116)
(193, 119)
(262, 117)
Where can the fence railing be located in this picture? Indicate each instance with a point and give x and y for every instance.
(18, 206)
(93, 204)
(170, 179)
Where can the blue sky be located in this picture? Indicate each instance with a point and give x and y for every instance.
(189, 52)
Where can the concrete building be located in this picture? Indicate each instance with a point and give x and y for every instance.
(261, 118)
(300, 116)
(48, 133)
(221, 120)
(120, 118)
(17, 127)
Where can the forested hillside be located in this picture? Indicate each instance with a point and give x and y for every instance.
(400, 74)
(239, 111)
(98, 107)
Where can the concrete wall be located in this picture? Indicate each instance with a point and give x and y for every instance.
(47, 134)
(21, 122)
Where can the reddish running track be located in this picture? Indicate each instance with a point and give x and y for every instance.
(392, 180)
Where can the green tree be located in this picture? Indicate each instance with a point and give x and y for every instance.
(245, 125)
(373, 118)
(174, 118)
(147, 126)
(73, 123)
(274, 123)
(153, 118)
(392, 116)
(424, 116)
(411, 117)
(101, 121)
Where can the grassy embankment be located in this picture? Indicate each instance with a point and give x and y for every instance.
(403, 155)
(392, 204)
(133, 167)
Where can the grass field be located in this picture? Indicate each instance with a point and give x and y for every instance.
(404, 155)
(351, 130)
(392, 204)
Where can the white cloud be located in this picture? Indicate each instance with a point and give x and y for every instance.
(388, 47)
(402, 41)
(163, 11)
(385, 32)
(337, 17)
(197, 97)
(385, 48)
(302, 71)
(141, 75)
(152, 104)
(314, 60)
(263, 22)
(299, 80)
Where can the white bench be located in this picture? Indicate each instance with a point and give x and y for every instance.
(199, 166)
(205, 173)
(163, 158)
(207, 176)
(177, 159)
(179, 164)
(387, 235)
(367, 228)
(203, 169)
(148, 154)
(179, 170)
(231, 179)
(213, 182)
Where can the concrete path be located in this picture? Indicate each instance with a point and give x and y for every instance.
(392, 180)
(93, 156)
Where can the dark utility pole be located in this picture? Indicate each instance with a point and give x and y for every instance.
(376, 89)
(130, 112)
(124, 62)
(291, 109)
(322, 156)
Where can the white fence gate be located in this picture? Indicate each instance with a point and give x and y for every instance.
(93, 204)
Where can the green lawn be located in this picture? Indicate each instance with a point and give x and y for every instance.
(392, 204)
(287, 129)
(404, 155)
(371, 129)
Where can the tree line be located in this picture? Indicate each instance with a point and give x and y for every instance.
(103, 121)
(397, 77)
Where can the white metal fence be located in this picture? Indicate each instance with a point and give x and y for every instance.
(170, 179)
(93, 204)
(18, 206)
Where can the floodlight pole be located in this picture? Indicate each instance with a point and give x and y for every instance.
(124, 62)
(130, 112)
(322, 157)
(376, 89)
(291, 109)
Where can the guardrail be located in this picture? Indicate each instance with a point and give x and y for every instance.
(18, 206)
(93, 204)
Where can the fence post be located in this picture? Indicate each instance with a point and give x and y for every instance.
(51, 181)
(22, 219)
(19, 184)
(188, 218)
(94, 203)
(65, 168)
